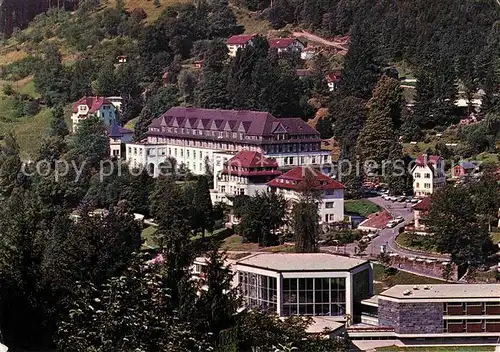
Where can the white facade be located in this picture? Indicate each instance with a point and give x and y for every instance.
(331, 205)
(193, 153)
(92, 106)
(428, 176)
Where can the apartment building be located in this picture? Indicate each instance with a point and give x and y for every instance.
(193, 136)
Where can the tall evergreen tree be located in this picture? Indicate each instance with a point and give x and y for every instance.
(305, 215)
(58, 127)
(377, 141)
(362, 68)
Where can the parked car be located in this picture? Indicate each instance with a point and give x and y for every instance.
(391, 224)
(415, 200)
(399, 219)
(371, 236)
(385, 196)
(393, 198)
(401, 199)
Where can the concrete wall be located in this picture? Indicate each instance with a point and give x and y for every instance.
(411, 318)
(432, 268)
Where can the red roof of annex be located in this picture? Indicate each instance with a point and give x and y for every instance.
(294, 178)
(250, 163)
(423, 205)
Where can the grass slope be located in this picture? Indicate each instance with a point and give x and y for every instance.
(383, 281)
(361, 207)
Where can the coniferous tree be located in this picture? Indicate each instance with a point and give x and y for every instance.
(171, 211)
(217, 306)
(305, 215)
(58, 127)
(361, 69)
(377, 140)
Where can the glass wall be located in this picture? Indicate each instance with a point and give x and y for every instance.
(320, 296)
(258, 291)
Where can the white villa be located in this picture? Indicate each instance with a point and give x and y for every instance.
(101, 107)
(428, 175)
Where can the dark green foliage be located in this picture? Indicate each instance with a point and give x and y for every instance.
(260, 216)
(201, 211)
(458, 227)
(131, 312)
(90, 143)
(217, 306)
(58, 127)
(261, 330)
(347, 115)
(51, 80)
(305, 216)
(377, 140)
(105, 84)
(10, 165)
(362, 68)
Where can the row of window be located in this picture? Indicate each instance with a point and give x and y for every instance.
(426, 185)
(320, 296)
(418, 175)
(258, 291)
(471, 326)
(472, 308)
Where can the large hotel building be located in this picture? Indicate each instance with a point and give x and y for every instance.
(192, 136)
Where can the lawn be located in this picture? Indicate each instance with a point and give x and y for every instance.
(361, 207)
(495, 236)
(149, 7)
(147, 236)
(235, 243)
(417, 242)
(27, 129)
(384, 281)
(436, 349)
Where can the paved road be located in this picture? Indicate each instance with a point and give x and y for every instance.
(388, 236)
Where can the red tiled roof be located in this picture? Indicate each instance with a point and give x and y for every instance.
(247, 158)
(433, 159)
(93, 103)
(294, 178)
(332, 77)
(239, 39)
(423, 205)
(280, 43)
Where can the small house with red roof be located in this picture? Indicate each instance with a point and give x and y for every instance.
(333, 79)
(236, 42)
(101, 107)
(331, 193)
(286, 44)
(463, 169)
(246, 173)
(419, 211)
(428, 175)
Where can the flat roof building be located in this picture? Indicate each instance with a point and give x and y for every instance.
(434, 311)
(312, 284)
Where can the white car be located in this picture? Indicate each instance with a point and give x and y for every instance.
(399, 219)
(391, 224)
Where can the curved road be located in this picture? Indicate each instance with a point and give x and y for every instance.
(388, 236)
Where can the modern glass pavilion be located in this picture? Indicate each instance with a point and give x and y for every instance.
(314, 284)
